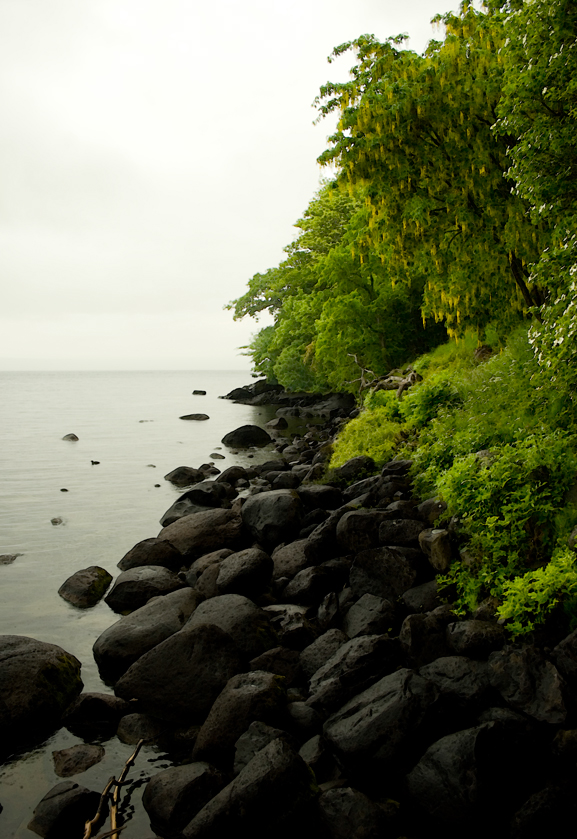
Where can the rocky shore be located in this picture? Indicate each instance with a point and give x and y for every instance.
(283, 640)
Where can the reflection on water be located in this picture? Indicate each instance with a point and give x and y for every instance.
(129, 423)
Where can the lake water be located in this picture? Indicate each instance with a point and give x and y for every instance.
(129, 423)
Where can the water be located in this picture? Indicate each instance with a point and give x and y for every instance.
(129, 423)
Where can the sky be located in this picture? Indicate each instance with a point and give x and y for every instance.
(155, 155)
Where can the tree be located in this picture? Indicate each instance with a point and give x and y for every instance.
(415, 134)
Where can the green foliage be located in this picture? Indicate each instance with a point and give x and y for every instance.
(530, 598)
(372, 433)
(425, 400)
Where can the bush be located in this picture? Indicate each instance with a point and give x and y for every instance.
(372, 433)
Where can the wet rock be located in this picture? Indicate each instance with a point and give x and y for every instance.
(248, 572)
(95, 715)
(76, 759)
(232, 475)
(360, 488)
(530, 683)
(475, 638)
(134, 588)
(71, 438)
(384, 572)
(423, 636)
(208, 493)
(173, 797)
(249, 626)
(247, 697)
(273, 517)
(275, 786)
(183, 476)
(370, 615)
(204, 532)
(63, 811)
(286, 480)
(152, 552)
(86, 587)
(196, 417)
(125, 641)
(179, 679)
(8, 559)
(246, 436)
(133, 728)
(38, 681)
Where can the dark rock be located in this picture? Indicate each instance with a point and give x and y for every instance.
(321, 650)
(462, 678)
(423, 636)
(247, 697)
(423, 598)
(125, 641)
(564, 657)
(530, 683)
(70, 437)
(248, 572)
(183, 476)
(8, 559)
(207, 493)
(199, 392)
(286, 480)
(400, 532)
(358, 530)
(329, 611)
(232, 475)
(245, 436)
(179, 679)
(431, 509)
(200, 565)
(384, 572)
(321, 496)
(76, 759)
(38, 681)
(353, 470)
(241, 619)
(436, 544)
(346, 812)
(206, 583)
(273, 517)
(274, 787)
(197, 417)
(370, 615)
(57, 520)
(360, 488)
(152, 552)
(401, 510)
(86, 587)
(547, 812)
(134, 588)
(256, 737)
(377, 729)
(181, 508)
(95, 715)
(135, 727)
(289, 559)
(309, 586)
(64, 810)
(316, 754)
(322, 542)
(217, 456)
(204, 532)
(173, 797)
(278, 424)
(474, 638)
(291, 625)
(353, 667)
(281, 661)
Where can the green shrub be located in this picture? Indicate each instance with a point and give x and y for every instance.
(372, 433)
(425, 400)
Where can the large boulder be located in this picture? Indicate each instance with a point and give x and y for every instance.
(184, 476)
(179, 679)
(273, 517)
(64, 810)
(95, 715)
(204, 532)
(530, 683)
(134, 588)
(241, 619)
(173, 797)
(125, 641)
(383, 572)
(246, 436)
(247, 572)
(358, 530)
(38, 681)
(85, 587)
(152, 552)
(273, 788)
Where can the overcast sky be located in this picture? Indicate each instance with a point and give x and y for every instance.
(154, 155)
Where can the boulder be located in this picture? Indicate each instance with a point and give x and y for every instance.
(152, 552)
(208, 493)
(95, 715)
(353, 470)
(247, 697)
(370, 615)
(232, 475)
(256, 737)
(423, 636)
(200, 565)
(281, 661)
(241, 619)
(458, 677)
(565, 658)
(346, 812)
(76, 759)
(173, 797)
(248, 572)
(358, 530)
(294, 630)
(181, 508)
(64, 810)
(289, 559)
(204, 532)
(246, 436)
(475, 638)
(423, 598)
(321, 650)
(401, 531)
(273, 517)
(128, 639)
(135, 727)
(285, 480)
(134, 588)
(86, 587)
(309, 586)
(179, 679)
(530, 683)
(38, 681)
(183, 476)
(384, 572)
(321, 496)
(274, 787)
(436, 544)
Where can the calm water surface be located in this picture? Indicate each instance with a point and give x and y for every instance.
(129, 423)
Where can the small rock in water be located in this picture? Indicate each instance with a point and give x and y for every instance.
(217, 456)
(7, 559)
(56, 520)
(199, 392)
(72, 437)
(95, 462)
(198, 417)
(151, 465)
(76, 759)
(156, 485)
(63, 489)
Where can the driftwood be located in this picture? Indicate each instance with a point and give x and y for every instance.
(117, 784)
